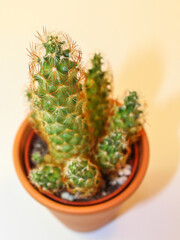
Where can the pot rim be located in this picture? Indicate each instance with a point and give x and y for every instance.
(18, 152)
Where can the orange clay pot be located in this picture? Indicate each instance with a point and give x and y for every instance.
(79, 218)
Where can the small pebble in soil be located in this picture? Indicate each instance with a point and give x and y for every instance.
(67, 196)
(121, 172)
(121, 180)
(104, 193)
(128, 166)
(127, 172)
(38, 145)
(113, 182)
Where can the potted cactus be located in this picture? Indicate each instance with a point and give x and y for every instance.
(78, 150)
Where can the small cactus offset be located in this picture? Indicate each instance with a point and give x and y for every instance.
(112, 152)
(81, 177)
(124, 128)
(98, 89)
(87, 134)
(128, 116)
(56, 96)
(47, 177)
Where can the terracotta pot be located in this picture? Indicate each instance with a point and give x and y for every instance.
(80, 218)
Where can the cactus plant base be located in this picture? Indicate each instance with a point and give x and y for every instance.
(111, 187)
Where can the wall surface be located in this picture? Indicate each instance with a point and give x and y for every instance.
(141, 41)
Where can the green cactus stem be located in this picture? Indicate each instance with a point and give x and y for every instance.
(125, 126)
(98, 89)
(81, 177)
(47, 177)
(112, 152)
(128, 116)
(56, 96)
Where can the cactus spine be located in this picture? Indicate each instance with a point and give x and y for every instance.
(57, 97)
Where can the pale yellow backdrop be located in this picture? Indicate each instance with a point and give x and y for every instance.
(141, 41)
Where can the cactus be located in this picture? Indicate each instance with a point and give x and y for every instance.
(88, 135)
(112, 152)
(47, 177)
(98, 89)
(56, 96)
(128, 116)
(125, 124)
(36, 158)
(81, 177)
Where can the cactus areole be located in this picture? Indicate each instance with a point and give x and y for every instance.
(90, 140)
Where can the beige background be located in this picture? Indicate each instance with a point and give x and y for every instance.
(141, 41)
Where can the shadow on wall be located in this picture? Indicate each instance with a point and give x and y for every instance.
(145, 72)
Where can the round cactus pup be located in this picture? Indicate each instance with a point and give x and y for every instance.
(81, 177)
(112, 152)
(47, 177)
